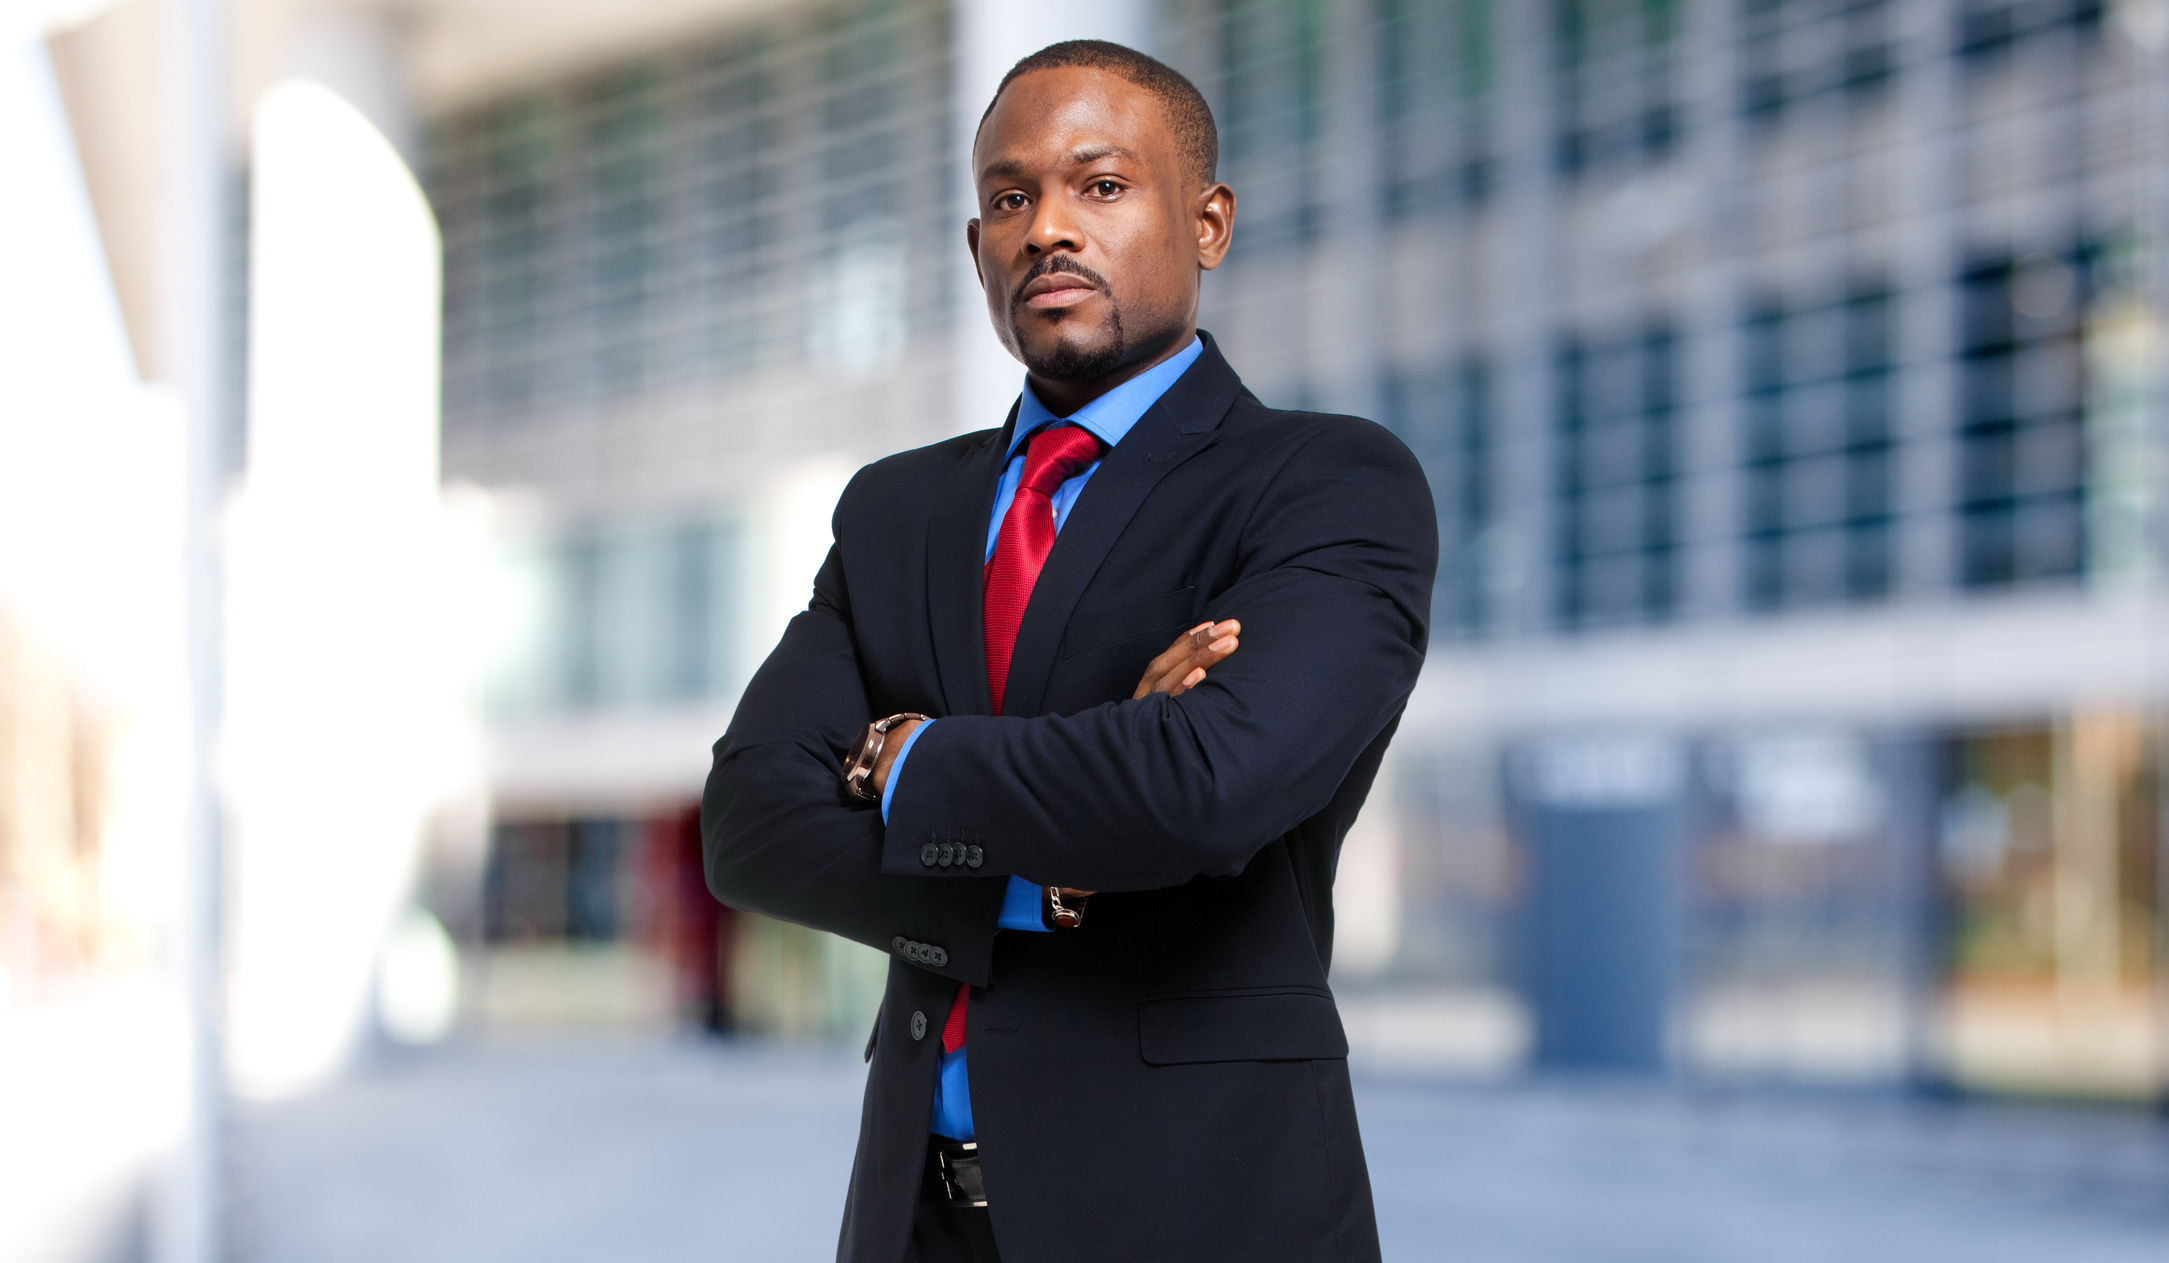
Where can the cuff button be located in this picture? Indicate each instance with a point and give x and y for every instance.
(974, 857)
(929, 854)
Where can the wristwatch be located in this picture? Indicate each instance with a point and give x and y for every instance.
(1061, 915)
(858, 770)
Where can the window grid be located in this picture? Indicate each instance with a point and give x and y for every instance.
(1989, 28)
(1616, 66)
(1436, 68)
(1793, 52)
(1445, 417)
(2021, 442)
(1271, 117)
(661, 222)
(1816, 451)
(1616, 530)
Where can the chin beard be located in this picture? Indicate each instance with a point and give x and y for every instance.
(1071, 363)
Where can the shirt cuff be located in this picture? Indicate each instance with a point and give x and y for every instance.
(1020, 905)
(896, 769)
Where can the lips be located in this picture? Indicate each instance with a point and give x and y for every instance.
(1057, 289)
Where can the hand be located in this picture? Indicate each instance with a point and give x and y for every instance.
(1183, 665)
(893, 746)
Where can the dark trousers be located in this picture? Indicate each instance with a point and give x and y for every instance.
(941, 1233)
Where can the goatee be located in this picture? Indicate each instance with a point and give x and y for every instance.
(1071, 363)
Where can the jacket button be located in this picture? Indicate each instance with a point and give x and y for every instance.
(928, 854)
(897, 943)
(918, 1026)
(937, 956)
(974, 857)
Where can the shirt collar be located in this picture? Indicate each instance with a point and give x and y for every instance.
(1110, 416)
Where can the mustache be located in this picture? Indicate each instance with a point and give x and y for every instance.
(1051, 264)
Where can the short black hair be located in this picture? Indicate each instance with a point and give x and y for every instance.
(1197, 138)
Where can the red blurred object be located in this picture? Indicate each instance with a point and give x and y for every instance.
(691, 929)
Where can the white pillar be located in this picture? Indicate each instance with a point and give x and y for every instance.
(992, 36)
(194, 325)
(342, 705)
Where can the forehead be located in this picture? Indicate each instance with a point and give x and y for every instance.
(1047, 114)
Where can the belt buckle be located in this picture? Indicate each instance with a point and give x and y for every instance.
(961, 1177)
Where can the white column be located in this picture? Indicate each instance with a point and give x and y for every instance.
(342, 709)
(194, 325)
(992, 36)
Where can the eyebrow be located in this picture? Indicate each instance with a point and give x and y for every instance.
(1091, 154)
(1085, 156)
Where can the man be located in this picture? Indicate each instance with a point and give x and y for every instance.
(1156, 1070)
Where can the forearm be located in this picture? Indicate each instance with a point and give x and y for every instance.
(782, 837)
(781, 840)
(1153, 792)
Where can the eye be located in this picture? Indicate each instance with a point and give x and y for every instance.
(1105, 188)
(1009, 201)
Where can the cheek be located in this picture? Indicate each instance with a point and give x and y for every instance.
(1153, 268)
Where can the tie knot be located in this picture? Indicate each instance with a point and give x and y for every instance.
(1056, 455)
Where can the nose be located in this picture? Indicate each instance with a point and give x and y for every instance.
(1053, 228)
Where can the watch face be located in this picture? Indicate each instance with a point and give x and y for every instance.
(858, 750)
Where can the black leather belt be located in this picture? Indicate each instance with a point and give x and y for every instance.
(952, 1172)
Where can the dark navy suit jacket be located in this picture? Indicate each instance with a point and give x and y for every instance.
(1170, 1080)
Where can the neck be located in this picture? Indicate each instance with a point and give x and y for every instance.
(1064, 398)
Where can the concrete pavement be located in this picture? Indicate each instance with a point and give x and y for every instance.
(587, 1152)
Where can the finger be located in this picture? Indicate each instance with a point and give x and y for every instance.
(1210, 656)
(1185, 674)
(1169, 662)
(1179, 678)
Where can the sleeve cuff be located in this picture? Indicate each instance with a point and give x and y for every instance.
(896, 769)
(1021, 906)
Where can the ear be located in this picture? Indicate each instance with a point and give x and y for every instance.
(971, 245)
(1215, 224)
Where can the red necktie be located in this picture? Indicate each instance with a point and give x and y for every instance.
(1051, 458)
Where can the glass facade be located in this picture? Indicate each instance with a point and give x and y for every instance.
(1618, 487)
(2022, 463)
(1437, 76)
(676, 221)
(1776, 319)
(1618, 73)
(1816, 452)
(1795, 54)
(1272, 117)
(1445, 417)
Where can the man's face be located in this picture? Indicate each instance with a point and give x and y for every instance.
(1090, 233)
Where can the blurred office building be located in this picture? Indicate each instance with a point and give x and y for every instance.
(1788, 376)
(1785, 373)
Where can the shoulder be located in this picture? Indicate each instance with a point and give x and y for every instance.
(915, 475)
(1318, 444)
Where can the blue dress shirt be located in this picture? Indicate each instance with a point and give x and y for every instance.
(1109, 417)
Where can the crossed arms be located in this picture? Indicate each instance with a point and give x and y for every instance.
(1332, 593)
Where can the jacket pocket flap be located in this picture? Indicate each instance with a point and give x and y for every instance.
(1278, 1025)
(1161, 615)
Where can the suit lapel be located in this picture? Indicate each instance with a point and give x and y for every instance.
(1182, 422)
(956, 546)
